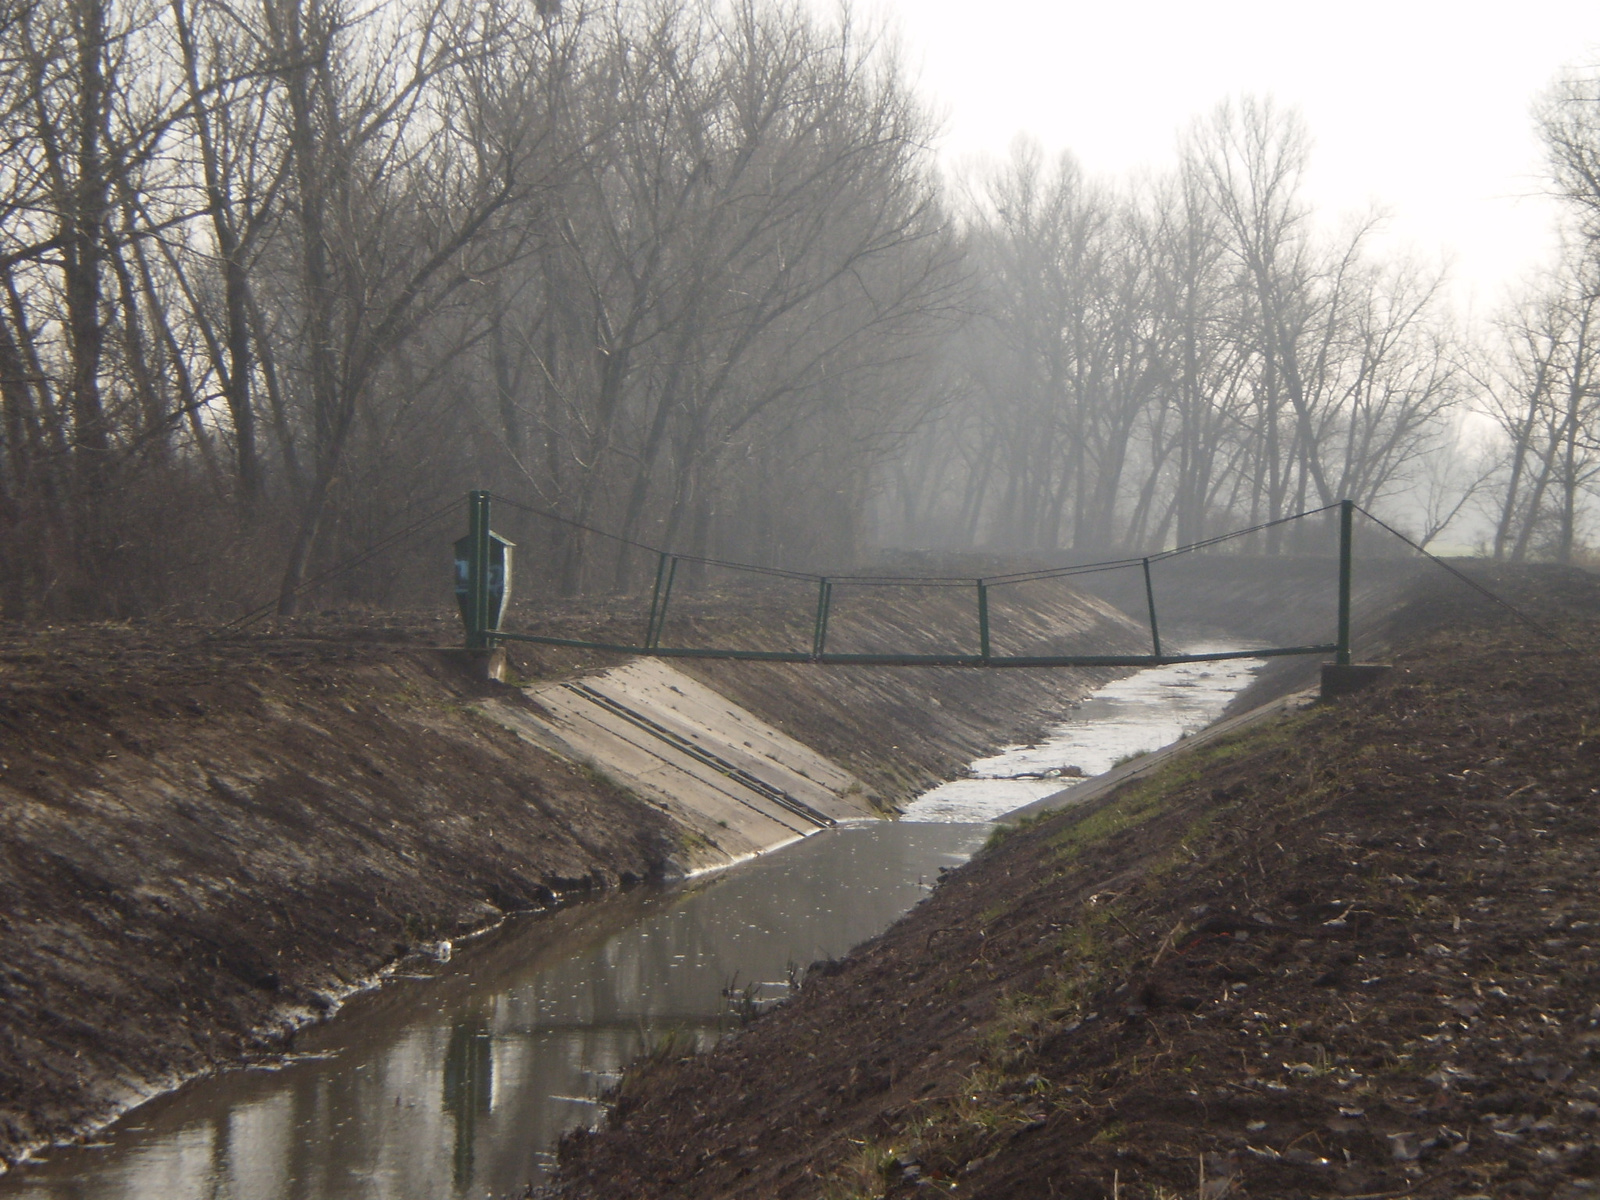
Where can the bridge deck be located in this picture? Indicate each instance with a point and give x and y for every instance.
(912, 660)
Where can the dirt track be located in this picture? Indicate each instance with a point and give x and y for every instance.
(1354, 954)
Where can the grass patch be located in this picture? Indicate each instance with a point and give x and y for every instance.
(865, 1173)
(1111, 1134)
(1141, 799)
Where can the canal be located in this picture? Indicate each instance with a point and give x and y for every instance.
(459, 1084)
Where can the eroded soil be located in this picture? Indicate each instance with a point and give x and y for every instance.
(1355, 953)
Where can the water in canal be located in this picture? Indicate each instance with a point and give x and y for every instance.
(459, 1086)
(1139, 712)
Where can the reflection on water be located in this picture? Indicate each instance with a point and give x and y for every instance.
(1140, 712)
(460, 1086)
(468, 1089)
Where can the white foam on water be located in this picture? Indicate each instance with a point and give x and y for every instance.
(1141, 712)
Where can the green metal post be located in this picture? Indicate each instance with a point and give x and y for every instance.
(819, 634)
(1346, 521)
(666, 595)
(478, 571)
(983, 619)
(1150, 599)
(655, 598)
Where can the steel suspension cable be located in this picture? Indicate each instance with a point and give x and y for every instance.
(864, 580)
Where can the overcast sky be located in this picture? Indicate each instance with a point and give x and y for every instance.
(1423, 108)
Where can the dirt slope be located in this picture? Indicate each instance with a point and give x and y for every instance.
(903, 730)
(1352, 954)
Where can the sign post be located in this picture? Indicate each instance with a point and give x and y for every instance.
(483, 575)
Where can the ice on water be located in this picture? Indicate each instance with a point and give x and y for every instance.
(1140, 712)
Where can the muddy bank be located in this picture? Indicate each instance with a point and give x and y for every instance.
(209, 841)
(1353, 953)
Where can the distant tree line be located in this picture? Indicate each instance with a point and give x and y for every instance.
(1153, 363)
(1163, 361)
(279, 277)
(1540, 380)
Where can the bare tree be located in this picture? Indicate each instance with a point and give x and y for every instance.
(1160, 361)
(390, 207)
(750, 233)
(1543, 393)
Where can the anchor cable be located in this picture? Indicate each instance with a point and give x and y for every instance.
(1472, 583)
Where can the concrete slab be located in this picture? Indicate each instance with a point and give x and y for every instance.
(740, 786)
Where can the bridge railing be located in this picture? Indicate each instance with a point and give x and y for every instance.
(484, 578)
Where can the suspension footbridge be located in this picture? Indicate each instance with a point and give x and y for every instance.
(484, 563)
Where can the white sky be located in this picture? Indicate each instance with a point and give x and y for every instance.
(1423, 108)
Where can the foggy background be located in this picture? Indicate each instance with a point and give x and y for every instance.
(776, 282)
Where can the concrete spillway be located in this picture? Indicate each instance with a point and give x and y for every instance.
(742, 786)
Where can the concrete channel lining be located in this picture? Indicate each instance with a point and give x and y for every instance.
(739, 785)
